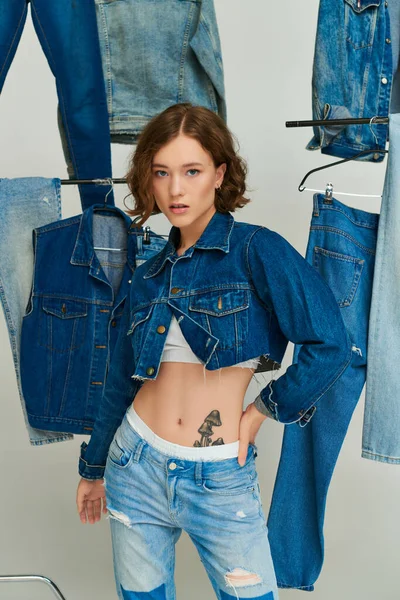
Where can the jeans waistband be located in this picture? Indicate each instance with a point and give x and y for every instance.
(210, 453)
(357, 216)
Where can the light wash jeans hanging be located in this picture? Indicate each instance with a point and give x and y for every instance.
(25, 204)
(156, 54)
(381, 434)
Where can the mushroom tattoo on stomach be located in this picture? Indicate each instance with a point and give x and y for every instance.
(206, 431)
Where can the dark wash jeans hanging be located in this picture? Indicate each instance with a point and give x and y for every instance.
(341, 247)
(73, 317)
(67, 31)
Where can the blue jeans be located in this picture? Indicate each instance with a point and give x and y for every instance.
(156, 54)
(25, 204)
(341, 247)
(67, 31)
(381, 440)
(152, 496)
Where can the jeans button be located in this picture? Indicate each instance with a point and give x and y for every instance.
(150, 371)
(172, 466)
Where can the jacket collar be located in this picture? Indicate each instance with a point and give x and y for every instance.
(84, 253)
(216, 236)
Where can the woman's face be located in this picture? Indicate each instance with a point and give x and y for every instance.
(184, 182)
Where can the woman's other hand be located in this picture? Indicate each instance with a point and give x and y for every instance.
(91, 500)
(249, 425)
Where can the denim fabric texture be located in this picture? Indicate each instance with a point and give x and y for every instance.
(72, 321)
(25, 203)
(341, 248)
(152, 496)
(156, 54)
(67, 31)
(239, 292)
(352, 76)
(381, 440)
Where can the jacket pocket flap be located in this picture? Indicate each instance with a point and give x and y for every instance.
(360, 5)
(64, 309)
(138, 316)
(220, 302)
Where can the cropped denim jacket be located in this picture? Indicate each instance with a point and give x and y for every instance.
(241, 291)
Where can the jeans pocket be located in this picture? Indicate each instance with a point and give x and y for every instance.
(238, 483)
(341, 272)
(118, 456)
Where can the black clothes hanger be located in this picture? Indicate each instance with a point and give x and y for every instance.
(301, 187)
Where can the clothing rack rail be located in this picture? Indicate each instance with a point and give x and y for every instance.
(26, 578)
(372, 121)
(108, 181)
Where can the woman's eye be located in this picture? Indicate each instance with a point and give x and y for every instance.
(160, 173)
(193, 171)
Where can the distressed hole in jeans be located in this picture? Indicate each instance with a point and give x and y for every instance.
(119, 516)
(241, 577)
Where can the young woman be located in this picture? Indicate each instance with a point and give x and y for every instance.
(218, 303)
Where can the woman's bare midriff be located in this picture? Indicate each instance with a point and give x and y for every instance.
(192, 406)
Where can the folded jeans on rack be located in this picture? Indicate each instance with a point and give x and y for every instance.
(67, 31)
(156, 54)
(25, 204)
(341, 247)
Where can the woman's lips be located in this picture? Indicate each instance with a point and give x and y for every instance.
(179, 209)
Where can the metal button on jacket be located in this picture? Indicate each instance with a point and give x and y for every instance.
(150, 371)
(161, 329)
(175, 290)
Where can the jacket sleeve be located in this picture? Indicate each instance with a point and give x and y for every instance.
(119, 392)
(308, 315)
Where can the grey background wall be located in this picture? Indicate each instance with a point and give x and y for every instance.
(268, 51)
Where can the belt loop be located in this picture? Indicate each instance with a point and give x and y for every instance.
(316, 206)
(138, 450)
(198, 473)
(139, 241)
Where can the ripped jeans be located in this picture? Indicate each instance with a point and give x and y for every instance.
(152, 495)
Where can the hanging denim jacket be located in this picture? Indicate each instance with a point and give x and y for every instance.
(352, 76)
(239, 292)
(73, 317)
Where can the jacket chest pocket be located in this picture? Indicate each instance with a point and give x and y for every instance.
(62, 324)
(138, 327)
(360, 18)
(224, 313)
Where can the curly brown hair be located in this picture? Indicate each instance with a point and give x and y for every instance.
(211, 132)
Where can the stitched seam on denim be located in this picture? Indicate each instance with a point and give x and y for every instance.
(108, 77)
(343, 234)
(57, 225)
(246, 249)
(358, 223)
(24, 12)
(62, 296)
(61, 95)
(49, 373)
(185, 45)
(210, 85)
(372, 453)
(62, 404)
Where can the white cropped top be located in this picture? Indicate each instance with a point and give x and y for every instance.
(176, 349)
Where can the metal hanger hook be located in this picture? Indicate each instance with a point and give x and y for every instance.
(111, 184)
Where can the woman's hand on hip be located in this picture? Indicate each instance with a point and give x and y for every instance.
(249, 425)
(91, 500)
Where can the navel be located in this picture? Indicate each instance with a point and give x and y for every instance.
(179, 421)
